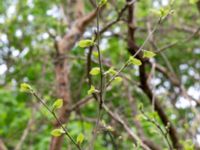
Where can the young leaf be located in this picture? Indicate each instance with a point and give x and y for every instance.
(24, 87)
(86, 43)
(117, 80)
(110, 128)
(148, 54)
(156, 12)
(58, 104)
(102, 2)
(193, 1)
(95, 71)
(57, 132)
(162, 12)
(91, 90)
(134, 61)
(95, 54)
(110, 71)
(140, 117)
(80, 139)
(140, 106)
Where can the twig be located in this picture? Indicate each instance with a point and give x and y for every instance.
(54, 115)
(117, 118)
(164, 133)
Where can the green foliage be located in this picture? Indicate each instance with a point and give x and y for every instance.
(28, 52)
(24, 87)
(188, 145)
(57, 132)
(80, 138)
(110, 71)
(134, 61)
(57, 104)
(86, 43)
(117, 80)
(95, 71)
(92, 90)
(193, 1)
(148, 54)
(102, 2)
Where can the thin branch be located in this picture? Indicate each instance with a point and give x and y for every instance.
(54, 115)
(164, 133)
(134, 137)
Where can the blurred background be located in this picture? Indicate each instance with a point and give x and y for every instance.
(39, 46)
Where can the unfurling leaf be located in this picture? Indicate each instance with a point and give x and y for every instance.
(24, 87)
(92, 90)
(102, 2)
(117, 80)
(57, 132)
(156, 12)
(148, 54)
(141, 106)
(140, 117)
(134, 61)
(111, 71)
(95, 71)
(95, 54)
(58, 104)
(86, 43)
(162, 12)
(80, 139)
(110, 128)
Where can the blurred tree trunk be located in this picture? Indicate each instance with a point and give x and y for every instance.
(2, 145)
(132, 47)
(62, 69)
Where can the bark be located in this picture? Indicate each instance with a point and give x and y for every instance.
(2, 145)
(62, 71)
(164, 118)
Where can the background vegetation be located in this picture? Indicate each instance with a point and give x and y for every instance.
(152, 105)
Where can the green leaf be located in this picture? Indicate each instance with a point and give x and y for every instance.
(102, 2)
(58, 104)
(95, 54)
(111, 71)
(95, 71)
(148, 54)
(80, 138)
(140, 106)
(134, 61)
(24, 87)
(86, 43)
(156, 12)
(117, 80)
(140, 117)
(57, 132)
(193, 1)
(162, 12)
(92, 90)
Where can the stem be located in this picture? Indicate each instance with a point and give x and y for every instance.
(114, 76)
(164, 134)
(54, 115)
(137, 52)
(100, 64)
